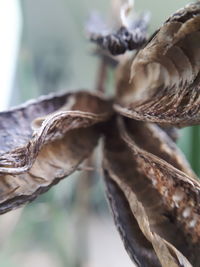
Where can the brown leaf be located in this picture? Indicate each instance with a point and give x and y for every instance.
(161, 83)
(25, 129)
(64, 134)
(163, 200)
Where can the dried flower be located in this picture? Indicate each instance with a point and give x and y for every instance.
(152, 191)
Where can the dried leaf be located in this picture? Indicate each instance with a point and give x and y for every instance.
(64, 134)
(163, 199)
(162, 83)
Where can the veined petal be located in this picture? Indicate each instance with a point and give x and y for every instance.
(53, 162)
(45, 141)
(25, 129)
(157, 141)
(161, 84)
(162, 198)
(138, 247)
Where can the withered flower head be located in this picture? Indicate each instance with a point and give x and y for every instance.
(153, 194)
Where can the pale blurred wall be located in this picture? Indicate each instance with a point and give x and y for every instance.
(10, 32)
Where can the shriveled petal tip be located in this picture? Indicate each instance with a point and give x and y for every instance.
(161, 84)
(26, 129)
(153, 180)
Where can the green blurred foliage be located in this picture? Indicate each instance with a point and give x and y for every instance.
(190, 144)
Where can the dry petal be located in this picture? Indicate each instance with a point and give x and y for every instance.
(156, 140)
(25, 129)
(55, 161)
(44, 141)
(161, 83)
(163, 200)
(138, 247)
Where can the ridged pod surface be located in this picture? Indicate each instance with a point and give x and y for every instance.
(161, 83)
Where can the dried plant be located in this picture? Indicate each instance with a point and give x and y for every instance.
(153, 193)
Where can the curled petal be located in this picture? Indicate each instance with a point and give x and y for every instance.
(161, 83)
(26, 129)
(54, 162)
(157, 141)
(138, 247)
(44, 141)
(162, 198)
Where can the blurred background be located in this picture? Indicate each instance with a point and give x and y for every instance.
(43, 49)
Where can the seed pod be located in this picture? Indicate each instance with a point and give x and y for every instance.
(162, 83)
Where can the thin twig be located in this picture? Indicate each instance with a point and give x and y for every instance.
(101, 76)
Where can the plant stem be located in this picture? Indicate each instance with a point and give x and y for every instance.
(101, 76)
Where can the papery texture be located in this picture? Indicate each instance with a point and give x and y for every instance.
(163, 200)
(25, 129)
(161, 83)
(44, 141)
(118, 163)
(138, 247)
